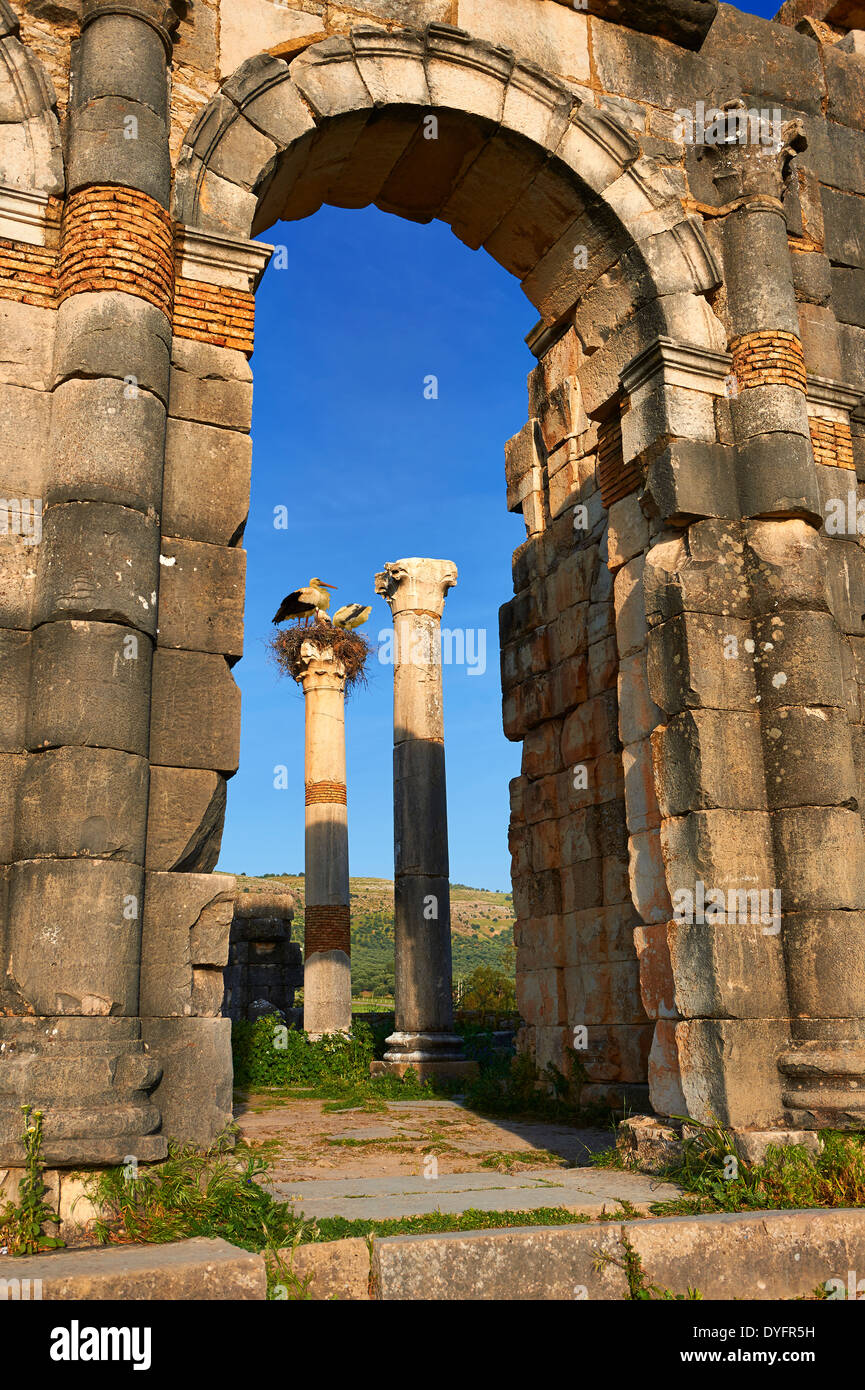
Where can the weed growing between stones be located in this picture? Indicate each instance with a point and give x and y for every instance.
(788, 1178)
(638, 1290)
(214, 1192)
(21, 1223)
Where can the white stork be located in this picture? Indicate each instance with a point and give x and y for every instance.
(304, 602)
(351, 616)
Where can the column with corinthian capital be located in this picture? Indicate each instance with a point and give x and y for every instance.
(327, 919)
(424, 1036)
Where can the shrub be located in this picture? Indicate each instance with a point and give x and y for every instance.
(266, 1053)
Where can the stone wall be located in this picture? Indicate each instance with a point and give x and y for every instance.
(264, 965)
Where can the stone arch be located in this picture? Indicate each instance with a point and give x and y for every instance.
(436, 124)
(344, 123)
(30, 150)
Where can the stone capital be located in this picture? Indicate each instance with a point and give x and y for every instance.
(161, 15)
(317, 668)
(754, 153)
(416, 585)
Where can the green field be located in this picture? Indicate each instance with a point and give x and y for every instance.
(482, 927)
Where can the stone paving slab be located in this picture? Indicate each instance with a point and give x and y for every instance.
(587, 1190)
(199, 1269)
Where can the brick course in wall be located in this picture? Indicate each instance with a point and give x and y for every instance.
(117, 239)
(28, 274)
(833, 443)
(213, 314)
(768, 358)
(327, 928)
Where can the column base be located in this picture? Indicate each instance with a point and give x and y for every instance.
(91, 1078)
(427, 1054)
(823, 1084)
(652, 1143)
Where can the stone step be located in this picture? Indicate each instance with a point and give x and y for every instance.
(185, 1270)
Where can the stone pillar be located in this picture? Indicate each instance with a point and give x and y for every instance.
(327, 914)
(77, 883)
(816, 829)
(424, 1036)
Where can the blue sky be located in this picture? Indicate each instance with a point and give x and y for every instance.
(368, 307)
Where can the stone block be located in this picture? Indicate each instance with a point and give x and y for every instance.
(90, 686)
(799, 661)
(665, 1077)
(336, 1269)
(113, 334)
(74, 930)
(845, 572)
(531, 1265)
(833, 878)
(648, 877)
(591, 730)
(692, 478)
(732, 969)
(800, 745)
(603, 666)
(125, 445)
(547, 35)
(629, 531)
(630, 607)
(98, 148)
(260, 25)
(638, 714)
(11, 768)
(581, 887)
(706, 575)
(845, 234)
(780, 64)
(811, 278)
(199, 1269)
(729, 1070)
(541, 997)
(26, 331)
(826, 966)
(209, 384)
(100, 563)
(201, 597)
(185, 817)
(24, 421)
(15, 654)
(709, 759)
(207, 476)
(788, 565)
(82, 803)
(720, 849)
(195, 718)
(700, 661)
(184, 944)
(640, 800)
(604, 992)
(18, 555)
(656, 973)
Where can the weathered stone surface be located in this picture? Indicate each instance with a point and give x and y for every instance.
(105, 334)
(184, 943)
(200, 1269)
(125, 440)
(210, 384)
(201, 597)
(729, 1070)
(74, 933)
(195, 720)
(184, 821)
(82, 803)
(708, 759)
(90, 685)
(527, 1265)
(98, 562)
(206, 488)
(194, 1093)
(338, 1269)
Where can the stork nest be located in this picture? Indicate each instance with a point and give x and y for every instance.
(350, 648)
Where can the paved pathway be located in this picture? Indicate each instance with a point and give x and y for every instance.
(418, 1157)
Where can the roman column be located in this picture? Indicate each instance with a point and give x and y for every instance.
(327, 914)
(807, 745)
(77, 884)
(424, 1036)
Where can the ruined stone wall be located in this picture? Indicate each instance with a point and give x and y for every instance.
(682, 660)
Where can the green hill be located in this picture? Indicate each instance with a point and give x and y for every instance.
(482, 927)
